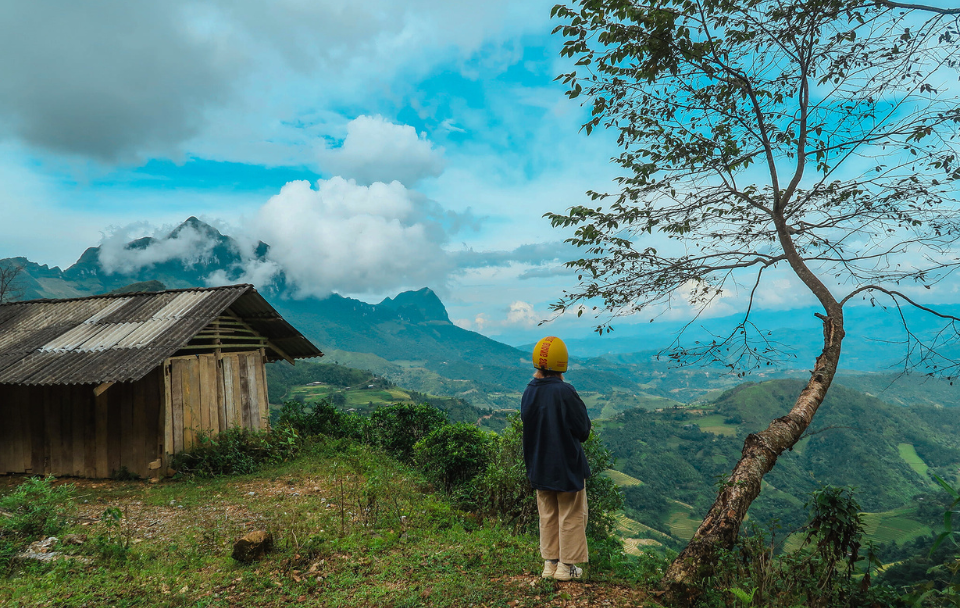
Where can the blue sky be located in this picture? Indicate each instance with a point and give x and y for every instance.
(383, 147)
(377, 146)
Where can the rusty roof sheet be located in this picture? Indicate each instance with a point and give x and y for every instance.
(120, 338)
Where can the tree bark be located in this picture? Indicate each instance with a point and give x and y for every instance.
(721, 526)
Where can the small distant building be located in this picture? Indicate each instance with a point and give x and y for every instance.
(89, 386)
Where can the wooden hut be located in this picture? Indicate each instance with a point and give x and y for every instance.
(90, 386)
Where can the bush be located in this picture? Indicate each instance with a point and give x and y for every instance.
(819, 574)
(453, 455)
(238, 450)
(604, 498)
(323, 419)
(397, 428)
(37, 508)
(8, 550)
(504, 492)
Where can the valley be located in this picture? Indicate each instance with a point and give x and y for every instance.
(670, 455)
(674, 432)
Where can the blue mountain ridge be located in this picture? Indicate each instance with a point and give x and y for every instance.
(413, 325)
(413, 328)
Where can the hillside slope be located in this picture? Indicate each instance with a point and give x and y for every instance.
(856, 440)
(409, 337)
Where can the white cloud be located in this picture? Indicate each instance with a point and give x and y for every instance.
(32, 223)
(351, 238)
(187, 245)
(520, 316)
(131, 81)
(523, 314)
(450, 126)
(377, 150)
(261, 273)
(109, 81)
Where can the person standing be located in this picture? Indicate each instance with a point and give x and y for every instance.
(555, 425)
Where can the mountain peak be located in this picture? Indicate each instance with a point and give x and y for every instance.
(423, 300)
(199, 225)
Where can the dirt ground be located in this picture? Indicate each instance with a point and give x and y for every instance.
(227, 508)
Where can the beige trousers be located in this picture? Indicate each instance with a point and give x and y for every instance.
(563, 525)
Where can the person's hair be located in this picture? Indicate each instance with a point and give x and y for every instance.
(546, 373)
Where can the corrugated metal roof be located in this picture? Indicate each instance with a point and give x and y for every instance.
(120, 338)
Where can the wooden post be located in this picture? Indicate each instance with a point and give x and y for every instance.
(264, 396)
(100, 406)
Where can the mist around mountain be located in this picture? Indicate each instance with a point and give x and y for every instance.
(410, 339)
(673, 431)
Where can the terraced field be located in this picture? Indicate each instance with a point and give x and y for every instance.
(681, 525)
(634, 535)
(622, 479)
(910, 456)
(897, 526)
(360, 397)
(714, 424)
(611, 405)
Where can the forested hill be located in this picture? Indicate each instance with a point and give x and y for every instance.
(409, 337)
(885, 451)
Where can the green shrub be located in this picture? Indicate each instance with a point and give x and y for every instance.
(323, 419)
(124, 474)
(604, 498)
(397, 428)
(8, 550)
(819, 574)
(113, 541)
(503, 490)
(940, 567)
(453, 454)
(36, 508)
(237, 451)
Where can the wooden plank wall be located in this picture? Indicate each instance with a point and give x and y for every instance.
(210, 393)
(67, 431)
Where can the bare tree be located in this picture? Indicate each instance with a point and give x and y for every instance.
(10, 288)
(813, 137)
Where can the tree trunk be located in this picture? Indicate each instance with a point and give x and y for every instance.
(721, 526)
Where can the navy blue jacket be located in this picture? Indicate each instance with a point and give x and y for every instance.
(555, 423)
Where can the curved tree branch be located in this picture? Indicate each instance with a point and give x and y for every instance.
(918, 7)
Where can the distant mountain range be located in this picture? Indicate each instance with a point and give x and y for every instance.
(410, 338)
(88, 277)
(874, 342)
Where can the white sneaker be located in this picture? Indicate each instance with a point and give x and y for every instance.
(566, 572)
(549, 568)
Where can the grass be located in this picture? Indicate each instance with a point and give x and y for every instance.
(897, 526)
(801, 445)
(910, 456)
(772, 492)
(681, 524)
(622, 479)
(352, 528)
(714, 424)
